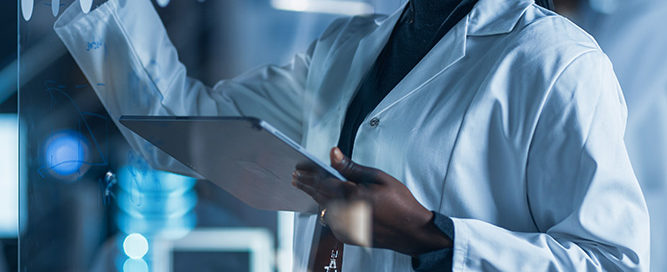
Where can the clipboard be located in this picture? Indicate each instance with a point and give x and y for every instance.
(245, 156)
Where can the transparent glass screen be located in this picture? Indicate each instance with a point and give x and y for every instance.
(93, 201)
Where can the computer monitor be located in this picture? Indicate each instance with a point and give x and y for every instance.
(9, 177)
(248, 249)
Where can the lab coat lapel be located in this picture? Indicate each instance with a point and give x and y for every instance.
(340, 82)
(488, 17)
(367, 52)
(450, 49)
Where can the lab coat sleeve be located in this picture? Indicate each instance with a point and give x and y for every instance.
(125, 53)
(585, 201)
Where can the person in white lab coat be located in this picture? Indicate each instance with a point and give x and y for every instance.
(632, 34)
(510, 130)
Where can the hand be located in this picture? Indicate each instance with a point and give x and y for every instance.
(398, 221)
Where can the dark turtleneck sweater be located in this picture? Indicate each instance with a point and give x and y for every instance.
(422, 24)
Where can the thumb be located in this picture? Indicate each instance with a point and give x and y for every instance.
(351, 170)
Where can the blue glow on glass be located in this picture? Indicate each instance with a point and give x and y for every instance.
(154, 203)
(135, 265)
(135, 246)
(149, 181)
(65, 152)
(158, 227)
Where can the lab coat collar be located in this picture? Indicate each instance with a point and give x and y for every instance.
(393, 18)
(449, 50)
(367, 51)
(492, 17)
(488, 17)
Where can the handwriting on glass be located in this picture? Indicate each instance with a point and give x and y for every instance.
(94, 45)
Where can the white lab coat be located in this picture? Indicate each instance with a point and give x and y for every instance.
(512, 125)
(634, 38)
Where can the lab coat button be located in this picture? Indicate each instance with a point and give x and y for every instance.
(374, 122)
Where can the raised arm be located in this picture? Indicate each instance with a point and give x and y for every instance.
(126, 55)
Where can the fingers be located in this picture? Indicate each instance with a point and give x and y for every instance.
(309, 167)
(310, 191)
(318, 182)
(351, 170)
(319, 188)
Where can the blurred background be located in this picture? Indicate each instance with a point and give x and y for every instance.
(85, 202)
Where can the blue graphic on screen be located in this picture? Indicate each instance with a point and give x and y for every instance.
(65, 152)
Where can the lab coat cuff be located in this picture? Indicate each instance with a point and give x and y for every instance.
(461, 244)
(437, 260)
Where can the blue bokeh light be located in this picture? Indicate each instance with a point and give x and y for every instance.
(135, 246)
(65, 152)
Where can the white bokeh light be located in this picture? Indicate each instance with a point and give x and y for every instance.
(9, 175)
(55, 7)
(86, 5)
(26, 8)
(162, 3)
(135, 246)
